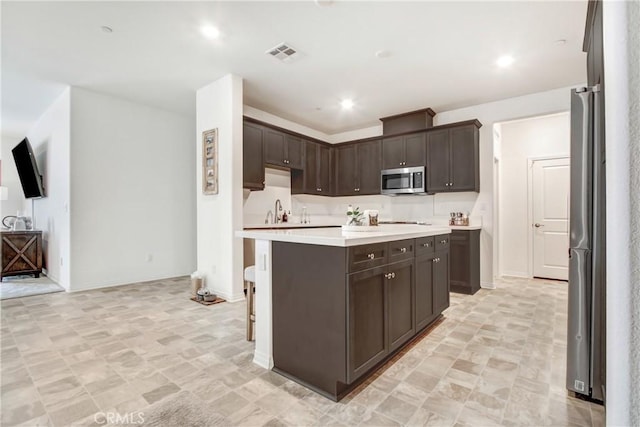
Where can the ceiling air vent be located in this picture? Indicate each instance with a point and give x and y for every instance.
(283, 52)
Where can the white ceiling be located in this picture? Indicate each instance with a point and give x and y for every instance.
(442, 54)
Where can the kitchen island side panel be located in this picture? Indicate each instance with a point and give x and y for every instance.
(309, 313)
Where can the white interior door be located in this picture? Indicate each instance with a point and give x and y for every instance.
(551, 218)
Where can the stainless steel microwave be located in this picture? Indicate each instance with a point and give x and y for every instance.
(403, 181)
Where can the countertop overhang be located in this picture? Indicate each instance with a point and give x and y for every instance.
(334, 236)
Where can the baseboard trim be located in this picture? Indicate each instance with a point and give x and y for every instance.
(262, 359)
(487, 285)
(115, 284)
(518, 274)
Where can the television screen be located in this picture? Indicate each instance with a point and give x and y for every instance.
(30, 177)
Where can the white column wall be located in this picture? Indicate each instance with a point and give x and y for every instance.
(621, 35)
(219, 105)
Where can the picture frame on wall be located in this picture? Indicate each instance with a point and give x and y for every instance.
(210, 161)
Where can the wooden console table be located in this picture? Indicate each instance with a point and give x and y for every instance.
(21, 253)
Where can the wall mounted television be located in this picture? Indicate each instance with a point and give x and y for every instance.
(27, 167)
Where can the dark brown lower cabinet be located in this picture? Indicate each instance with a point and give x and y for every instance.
(425, 312)
(400, 296)
(441, 281)
(336, 319)
(465, 261)
(367, 321)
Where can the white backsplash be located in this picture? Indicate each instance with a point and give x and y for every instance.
(332, 210)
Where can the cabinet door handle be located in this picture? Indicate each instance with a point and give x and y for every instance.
(451, 184)
(390, 275)
(371, 256)
(444, 242)
(425, 245)
(402, 250)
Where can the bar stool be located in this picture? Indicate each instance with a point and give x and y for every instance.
(249, 283)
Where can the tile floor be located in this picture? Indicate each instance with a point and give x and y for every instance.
(498, 358)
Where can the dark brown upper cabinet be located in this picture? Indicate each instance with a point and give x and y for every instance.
(283, 150)
(404, 151)
(357, 168)
(453, 159)
(252, 156)
(316, 178)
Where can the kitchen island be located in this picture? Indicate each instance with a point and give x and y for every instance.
(331, 306)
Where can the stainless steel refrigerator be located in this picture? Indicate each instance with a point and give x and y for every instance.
(587, 274)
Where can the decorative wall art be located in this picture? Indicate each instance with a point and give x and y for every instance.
(210, 161)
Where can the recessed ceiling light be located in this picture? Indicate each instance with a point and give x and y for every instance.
(347, 104)
(383, 54)
(106, 29)
(504, 61)
(210, 32)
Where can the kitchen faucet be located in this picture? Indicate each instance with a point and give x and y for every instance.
(276, 217)
(266, 220)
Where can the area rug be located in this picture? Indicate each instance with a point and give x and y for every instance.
(24, 286)
(184, 410)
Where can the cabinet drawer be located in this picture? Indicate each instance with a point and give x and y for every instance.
(425, 245)
(442, 242)
(401, 250)
(367, 256)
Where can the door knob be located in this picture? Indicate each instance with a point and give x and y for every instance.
(537, 225)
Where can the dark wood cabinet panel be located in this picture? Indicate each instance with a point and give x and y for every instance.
(274, 147)
(424, 291)
(392, 153)
(367, 335)
(441, 281)
(400, 250)
(465, 171)
(324, 171)
(317, 170)
(438, 161)
(404, 151)
(346, 171)
(453, 161)
(465, 261)
(362, 257)
(294, 152)
(21, 253)
(369, 167)
(415, 150)
(284, 150)
(357, 168)
(252, 156)
(400, 297)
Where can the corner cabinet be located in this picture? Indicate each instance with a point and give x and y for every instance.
(339, 318)
(357, 169)
(316, 176)
(453, 158)
(283, 150)
(253, 156)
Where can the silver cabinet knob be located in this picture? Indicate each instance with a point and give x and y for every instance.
(390, 275)
(537, 225)
(444, 242)
(403, 250)
(425, 245)
(371, 256)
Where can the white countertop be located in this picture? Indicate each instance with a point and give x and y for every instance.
(336, 237)
(464, 227)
